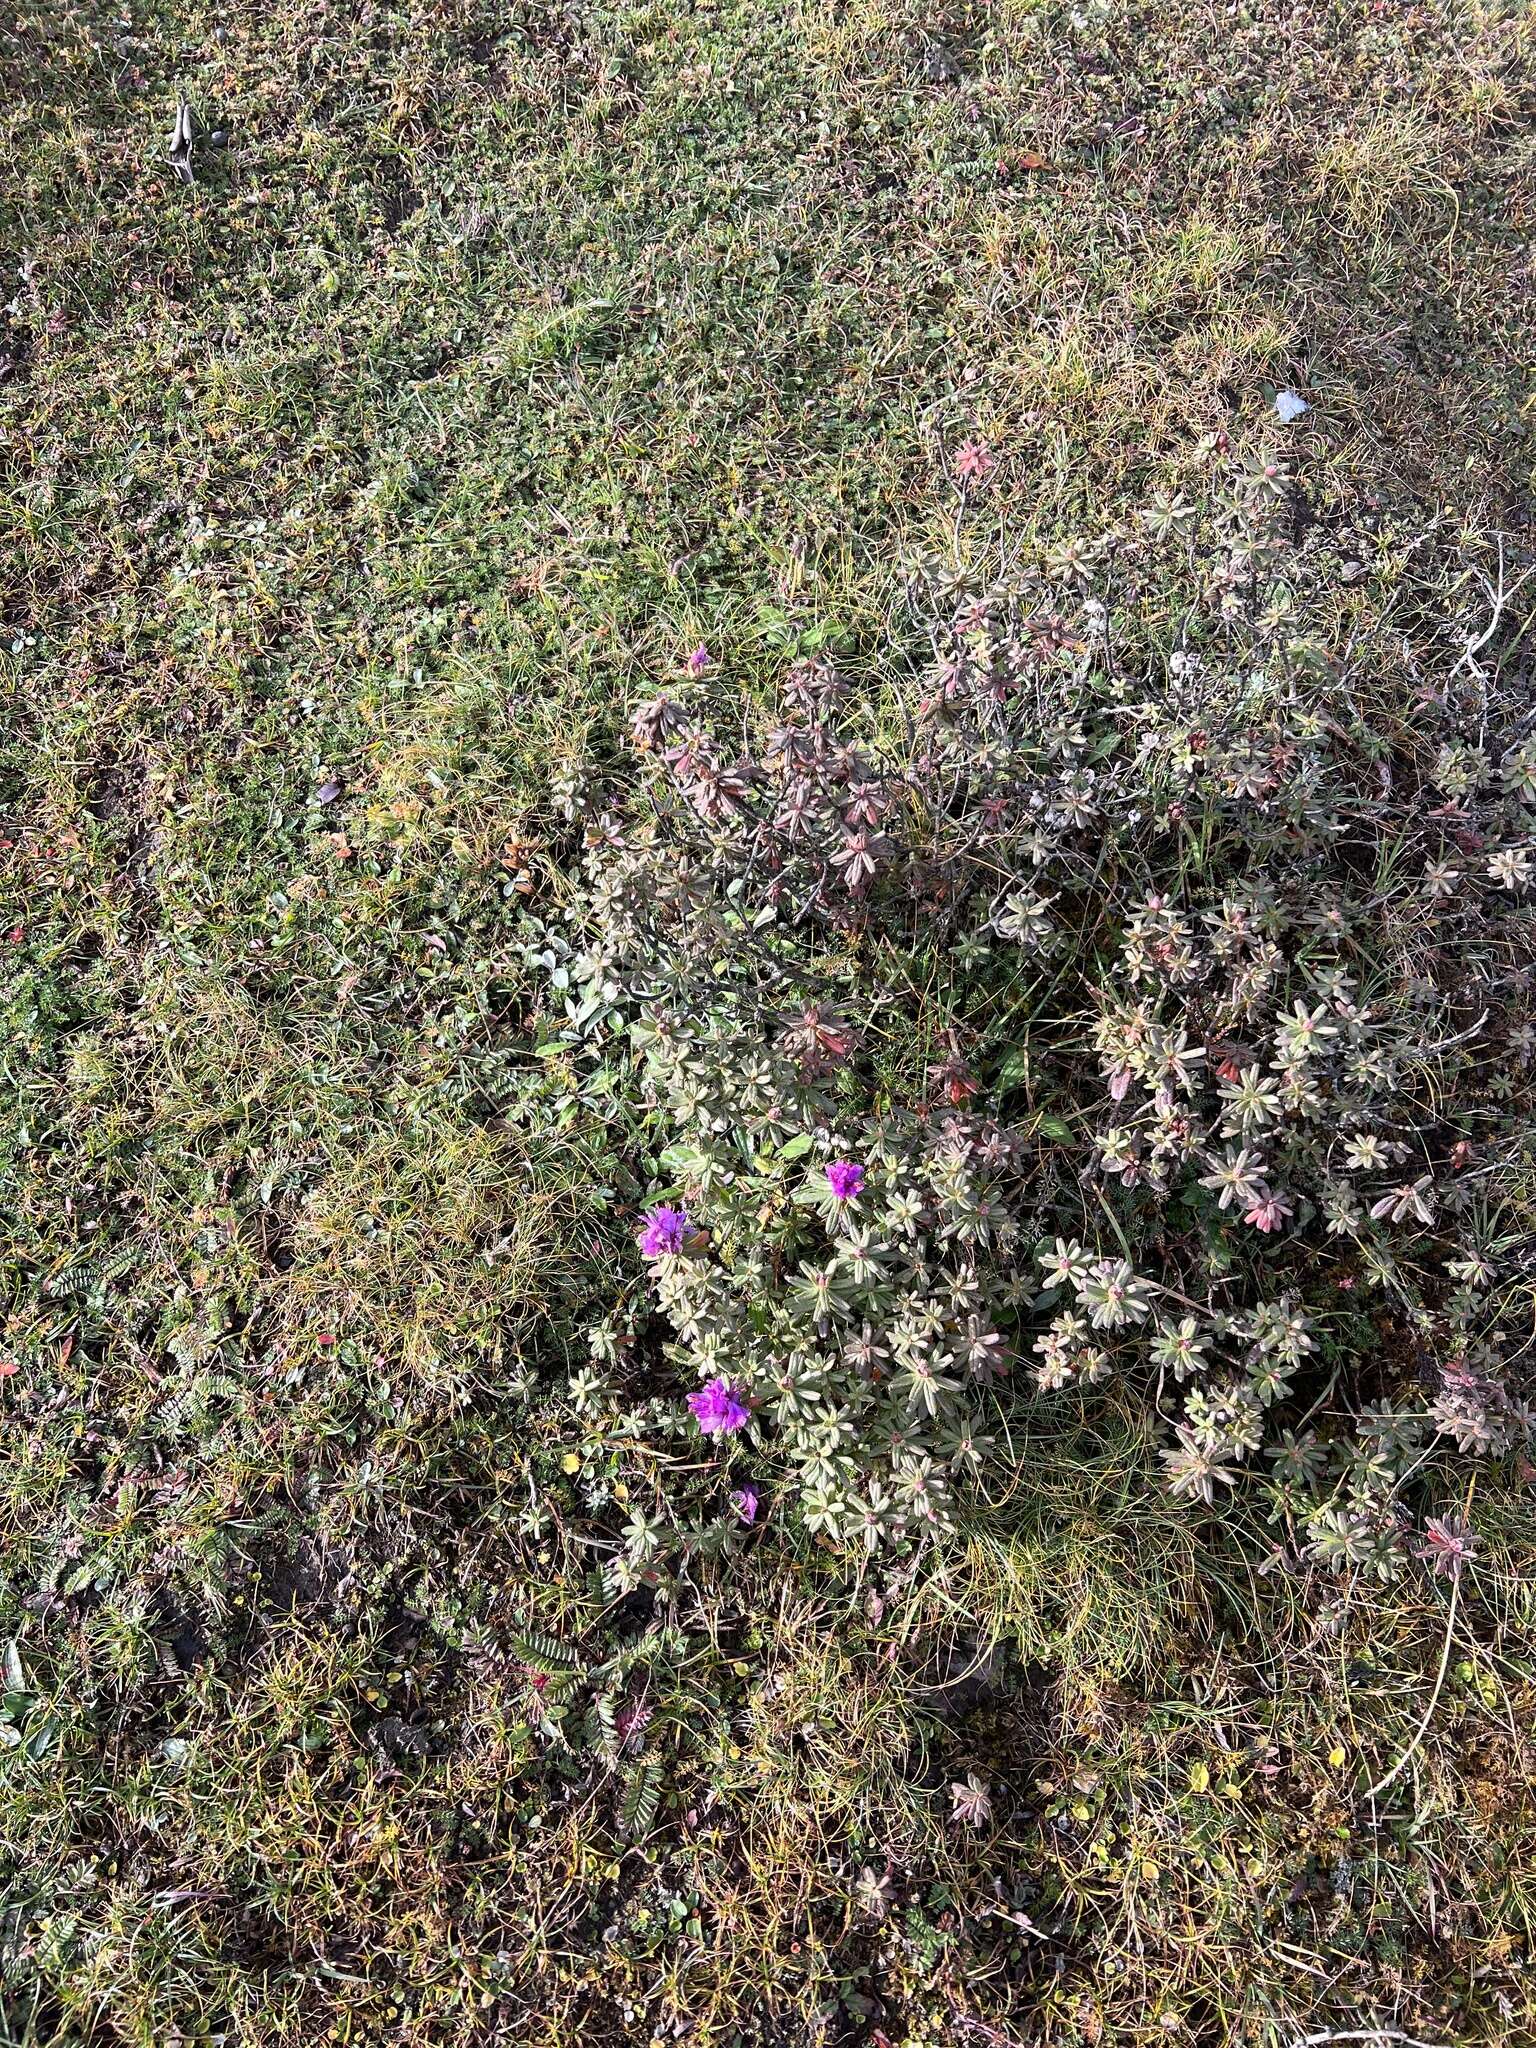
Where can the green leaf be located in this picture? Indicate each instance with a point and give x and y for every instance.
(684, 1159)
(637, 1810)
(41, 1740)
(546, 1653)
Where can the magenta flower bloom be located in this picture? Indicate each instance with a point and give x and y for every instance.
(665, 1232)
(698, 661)
(718, 1408)
(744, 1501)
(845, 1177)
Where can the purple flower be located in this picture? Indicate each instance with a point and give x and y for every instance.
(744, 1501)
(698, 661)
(718, 1408)
(665, 1231)
(846, 1179)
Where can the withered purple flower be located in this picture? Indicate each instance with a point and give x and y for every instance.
(817, 1037)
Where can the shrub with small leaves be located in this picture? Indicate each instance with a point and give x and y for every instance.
(1224, 1081)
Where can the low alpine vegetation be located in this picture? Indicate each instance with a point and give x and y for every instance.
(766, 850)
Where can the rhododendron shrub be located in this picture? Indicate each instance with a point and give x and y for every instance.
(1199, 858)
